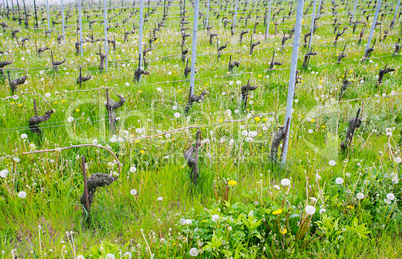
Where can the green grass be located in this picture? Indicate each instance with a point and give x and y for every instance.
(36, 226)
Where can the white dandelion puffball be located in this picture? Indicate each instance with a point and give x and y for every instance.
(277, 187)
(322, 211)
(310, 131)
(174, 107)
(24, 136)
(387, 201)
(133, 192)
(110, 256)
(47, 95)
(339, 180)
(332, 163)
(94, 142)
(285, 182)
(70, 119)
(215, 218)
(3, 173)
(160, 198)
(188, 221)
(390, 196)
(310, 210)
(360, 196)
(133, 169)
(127, 84)
(177, 115)
(193, 252)
(80, 257)
(16, 159)
(22, 194)
(398, 160)
(128, 255)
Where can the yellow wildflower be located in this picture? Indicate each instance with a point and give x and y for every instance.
(277, 212)
(284, 231)
(232, 183)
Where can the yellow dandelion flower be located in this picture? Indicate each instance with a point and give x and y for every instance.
(19, 105)
(312, 120)
(232, 183)
(277, 212)
(265, 119)
(137, 140)
(220, 120)
(142, 152)
(77, 110)
(257, 119)
(284, 231)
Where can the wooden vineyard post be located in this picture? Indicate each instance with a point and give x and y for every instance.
(292, 80)
(108, 108)
(353, 132)
(80, 77)
(35, 107)
(195, 168)
(85, 185)
(246, 97)
(9, 83)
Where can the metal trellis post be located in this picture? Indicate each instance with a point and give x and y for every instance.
(140, 36)
(373, 25)
(312, 24)
(105, 25)
(268, 17)
(292, 79)
(194, 48)
(80, 19)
